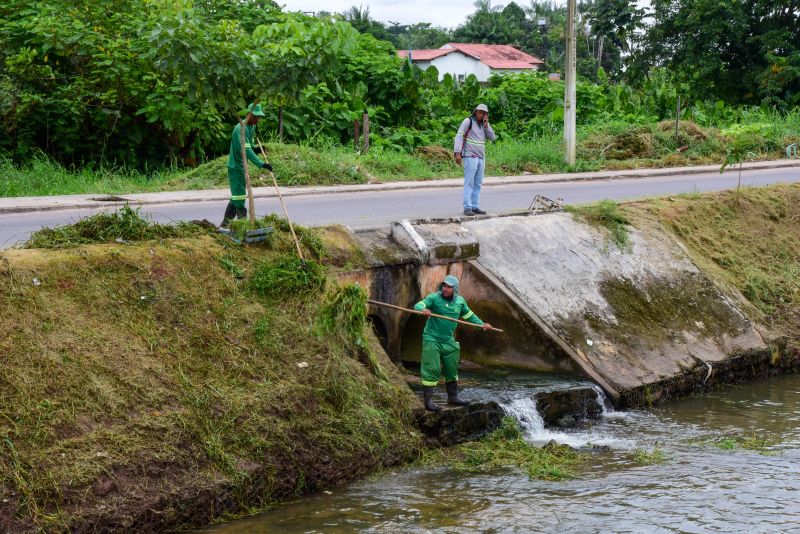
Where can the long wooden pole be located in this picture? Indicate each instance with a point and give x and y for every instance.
(250, 202)
(285, 211)
(416, 312)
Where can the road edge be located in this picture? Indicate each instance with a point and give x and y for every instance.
(10, 205)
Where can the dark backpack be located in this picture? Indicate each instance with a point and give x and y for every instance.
(466, 134)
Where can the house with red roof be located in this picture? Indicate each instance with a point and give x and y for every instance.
(482, 60)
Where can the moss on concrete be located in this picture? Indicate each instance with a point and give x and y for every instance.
(687, 303)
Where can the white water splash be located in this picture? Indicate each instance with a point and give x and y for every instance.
(608, 409)
(524, 410)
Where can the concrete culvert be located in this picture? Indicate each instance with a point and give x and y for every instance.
(380, 330)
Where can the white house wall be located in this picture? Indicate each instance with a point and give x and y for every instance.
(457, 64)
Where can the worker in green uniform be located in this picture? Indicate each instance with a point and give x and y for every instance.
(440, 350)
(236, 207)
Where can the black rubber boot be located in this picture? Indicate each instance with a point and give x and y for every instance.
(230, 213)
(429, 405)
(452, 394)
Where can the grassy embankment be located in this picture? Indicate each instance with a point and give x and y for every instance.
(604, 146)
(157, 382)
(750, 244)
(164, 383)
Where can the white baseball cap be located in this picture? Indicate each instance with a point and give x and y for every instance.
(482, 107)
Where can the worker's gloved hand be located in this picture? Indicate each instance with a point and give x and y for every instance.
(426, 313)
(266, 166)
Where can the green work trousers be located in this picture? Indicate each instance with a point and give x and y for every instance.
(437, 357)
(238, 187)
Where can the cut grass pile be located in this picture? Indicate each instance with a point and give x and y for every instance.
(308, 238)
(343, 317)
(760, 442)
(752, 442)
(286, 276)
(127, 224)
(145, 386)
(506, 448)
(656, 456)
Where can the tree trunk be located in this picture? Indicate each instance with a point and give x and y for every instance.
(280, 124)
(366, 133)
(600, 52)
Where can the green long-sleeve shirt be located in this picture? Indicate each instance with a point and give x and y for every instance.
(235, 156)
(439, 329)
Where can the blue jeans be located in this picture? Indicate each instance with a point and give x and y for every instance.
(473, 178)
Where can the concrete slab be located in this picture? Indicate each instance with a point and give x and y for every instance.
(634, 317)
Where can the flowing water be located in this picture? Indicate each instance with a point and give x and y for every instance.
(700, 487)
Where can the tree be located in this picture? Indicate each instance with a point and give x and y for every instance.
(491, 25)
(616, 21)
(118, 82)
(420, 35)
(359, 18)
(726, 50)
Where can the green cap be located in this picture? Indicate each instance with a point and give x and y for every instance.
(255, 109)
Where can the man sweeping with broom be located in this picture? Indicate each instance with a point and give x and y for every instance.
(440, 350)
(236, 177)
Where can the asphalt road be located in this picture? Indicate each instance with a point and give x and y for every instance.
(379, 208)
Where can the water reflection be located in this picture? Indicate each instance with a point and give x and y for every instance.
(701, 488)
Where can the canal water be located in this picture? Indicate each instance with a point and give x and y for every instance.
(699, 487)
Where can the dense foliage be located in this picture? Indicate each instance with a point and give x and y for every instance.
(144, 83)
(737, 51)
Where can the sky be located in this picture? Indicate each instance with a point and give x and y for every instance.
(442, 13)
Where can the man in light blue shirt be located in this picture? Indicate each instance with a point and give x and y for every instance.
(470, 149)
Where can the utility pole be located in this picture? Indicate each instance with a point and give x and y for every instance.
(569, 87)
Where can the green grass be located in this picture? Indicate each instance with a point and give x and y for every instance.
(121, 226)
(611, 145)
(286, 276)
(134, 376)
(653, 457)
(506, 447)
(757, 442)
(606, 214)
(752, 244)
(43, 177)
(282, 232)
